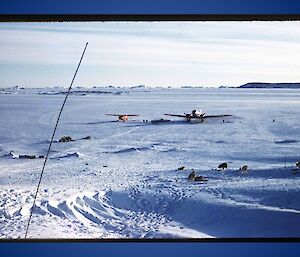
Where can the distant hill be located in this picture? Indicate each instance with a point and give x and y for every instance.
(270, 85)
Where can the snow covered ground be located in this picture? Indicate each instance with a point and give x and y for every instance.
(125, 182)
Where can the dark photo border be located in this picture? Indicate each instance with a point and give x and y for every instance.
(118, 10)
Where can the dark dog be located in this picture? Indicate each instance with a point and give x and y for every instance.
(223, 166)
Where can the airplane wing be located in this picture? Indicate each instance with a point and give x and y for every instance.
(132, 115)
(194, 117)
(213, 116)
(175, 115)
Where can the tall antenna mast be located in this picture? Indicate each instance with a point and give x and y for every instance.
(46, 158)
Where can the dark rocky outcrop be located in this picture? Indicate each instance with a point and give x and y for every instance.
(270, 85)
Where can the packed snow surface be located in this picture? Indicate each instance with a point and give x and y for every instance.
(124, 181)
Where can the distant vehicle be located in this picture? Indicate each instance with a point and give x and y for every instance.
(197, 115)
(122, 117)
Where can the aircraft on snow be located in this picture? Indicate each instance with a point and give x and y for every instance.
(197, 115)
(122, 117)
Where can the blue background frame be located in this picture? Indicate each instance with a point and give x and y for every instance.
(149, 7)
(149, 249)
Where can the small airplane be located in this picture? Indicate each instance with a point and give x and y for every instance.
(122, 117)
(197, 115)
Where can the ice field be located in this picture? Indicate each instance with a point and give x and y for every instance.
(124, 182)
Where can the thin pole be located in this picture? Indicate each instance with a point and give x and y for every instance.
(46, 158)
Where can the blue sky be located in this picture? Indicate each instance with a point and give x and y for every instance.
(149, 53)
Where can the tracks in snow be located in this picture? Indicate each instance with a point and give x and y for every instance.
(133, 213)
